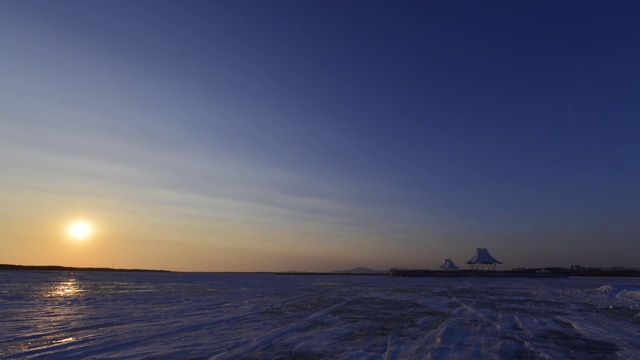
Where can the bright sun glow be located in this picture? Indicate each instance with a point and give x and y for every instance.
(80, 230)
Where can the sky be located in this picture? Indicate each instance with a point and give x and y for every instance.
(319, 135)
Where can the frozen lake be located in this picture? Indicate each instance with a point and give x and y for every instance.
(62, 315)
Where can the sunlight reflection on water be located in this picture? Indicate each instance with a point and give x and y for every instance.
(64, 289)
(69, 339)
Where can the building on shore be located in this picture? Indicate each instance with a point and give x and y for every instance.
(482, 260)
(448, 265)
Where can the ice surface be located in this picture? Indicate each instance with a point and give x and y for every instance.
(86, 315)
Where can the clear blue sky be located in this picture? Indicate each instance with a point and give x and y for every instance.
(315, 135)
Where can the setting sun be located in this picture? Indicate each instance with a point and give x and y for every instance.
(80, 230)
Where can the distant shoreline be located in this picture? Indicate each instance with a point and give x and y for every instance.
(531, 273)
(395, 272)
(67, 268)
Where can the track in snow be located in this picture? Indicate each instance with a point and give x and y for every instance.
(201, 316)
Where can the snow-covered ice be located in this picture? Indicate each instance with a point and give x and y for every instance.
(62, 315)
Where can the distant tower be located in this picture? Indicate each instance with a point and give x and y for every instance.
(482, 260)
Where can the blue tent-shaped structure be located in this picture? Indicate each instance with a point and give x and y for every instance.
(448, 265)
(482, 260)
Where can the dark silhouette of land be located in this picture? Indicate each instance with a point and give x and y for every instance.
(517, 272)
(536, 272)
(67, 268)
(362, 271)
(356, 271)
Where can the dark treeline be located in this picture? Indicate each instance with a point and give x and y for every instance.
(541, 272)
(66, 268)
